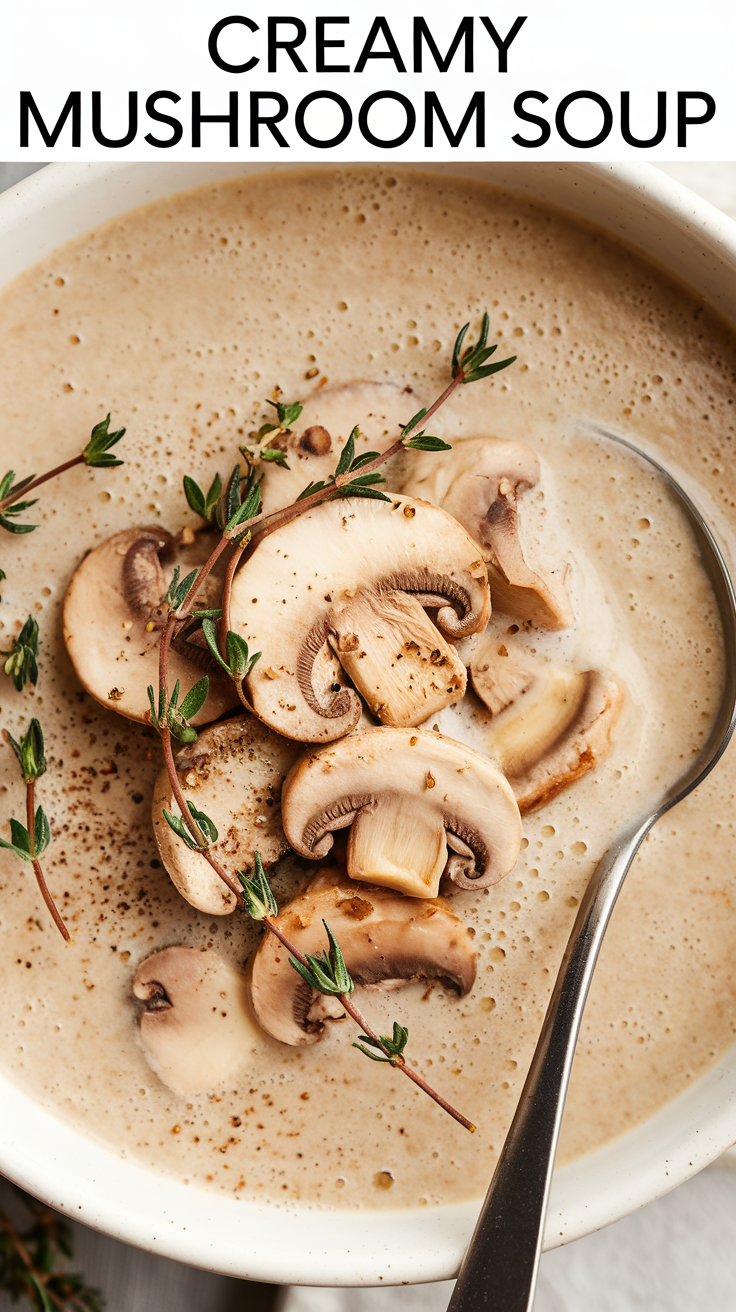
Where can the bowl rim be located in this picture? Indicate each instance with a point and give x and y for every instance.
(287, 1244)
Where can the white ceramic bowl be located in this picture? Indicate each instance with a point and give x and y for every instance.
(697, 244)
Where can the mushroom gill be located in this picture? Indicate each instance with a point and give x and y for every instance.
(113, 612)
(386, 940)
(406, 796)
(480, 482)
(196, 1030)
(234, 773)
(312, 589)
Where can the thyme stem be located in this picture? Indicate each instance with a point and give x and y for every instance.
(43, 478)
(204, 573)
(40, 878)
(225, 620)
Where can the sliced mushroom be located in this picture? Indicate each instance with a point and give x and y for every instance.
(321, 583)
(554, 730)
(407, 797)
(113, 615)
(197, 1030)
(386, 940)
(480, 482)
(234, 773)
(499, 670)
(395, 657)
(329, 416)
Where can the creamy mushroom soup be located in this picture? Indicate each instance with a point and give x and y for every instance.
(181, 319)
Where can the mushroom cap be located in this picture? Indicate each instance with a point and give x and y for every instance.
(330, 414)
(408, 795)
(289, 596)
(199, 1031)
(114, 594)
(480, 482)
(234, 773)
(386, 940)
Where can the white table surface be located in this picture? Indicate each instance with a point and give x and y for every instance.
(676, 1255)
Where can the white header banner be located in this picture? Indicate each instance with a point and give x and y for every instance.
(221, 79)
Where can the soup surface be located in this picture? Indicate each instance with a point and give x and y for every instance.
(181, 318)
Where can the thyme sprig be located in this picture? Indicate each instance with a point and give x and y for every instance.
(31, 840)
(21, 664)
(96, 454)
(30, 1263)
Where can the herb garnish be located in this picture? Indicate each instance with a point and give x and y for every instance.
(31, 840)
(95, 454)
(29, 1263)
(21, 665)
(328, 973)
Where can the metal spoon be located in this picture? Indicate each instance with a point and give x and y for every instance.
(499, 1273)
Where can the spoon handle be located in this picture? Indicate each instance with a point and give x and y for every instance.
(499, 1273)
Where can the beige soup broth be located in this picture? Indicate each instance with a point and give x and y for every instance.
(181, 318)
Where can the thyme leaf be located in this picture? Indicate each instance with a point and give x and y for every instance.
(205, 826)
(101, 440)
(393, 1048)
(287, 414)
(327, 973)
(30, 751)
(21, 664)
(258, 898)
(469, 365)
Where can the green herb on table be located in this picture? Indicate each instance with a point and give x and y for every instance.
(32, 1262)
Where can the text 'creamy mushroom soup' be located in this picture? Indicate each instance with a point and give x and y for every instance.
(460, 694)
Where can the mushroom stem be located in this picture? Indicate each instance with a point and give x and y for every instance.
(40, 878)
(42, 478)
(359, 1018)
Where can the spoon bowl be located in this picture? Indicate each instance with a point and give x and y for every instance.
(499, 1272)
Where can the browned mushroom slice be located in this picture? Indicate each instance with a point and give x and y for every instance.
(234, 773)
(407, 796)
(480, 482)
(196, 1029)
(556, 730)
(386, 939)
(329, 575)
(330, 414)
(113, 614)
